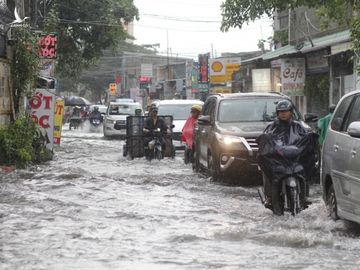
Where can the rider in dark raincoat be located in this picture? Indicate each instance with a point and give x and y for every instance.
(284, 131)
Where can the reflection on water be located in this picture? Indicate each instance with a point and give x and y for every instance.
(91, 208)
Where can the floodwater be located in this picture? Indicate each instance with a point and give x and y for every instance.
(91, 208)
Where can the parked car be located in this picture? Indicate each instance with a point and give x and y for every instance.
(226, 132)
(340, 175)
(180, 110)
(115, 117)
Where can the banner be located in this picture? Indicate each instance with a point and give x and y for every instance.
(204, 68)
(293, 76)
(47, 68)
(58, 120)
(42, 106)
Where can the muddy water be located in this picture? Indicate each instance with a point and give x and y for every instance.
(91, 208)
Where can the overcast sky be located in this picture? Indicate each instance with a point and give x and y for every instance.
(188, 35)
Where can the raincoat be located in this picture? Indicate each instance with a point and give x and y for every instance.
(188, 131)
(280, 134)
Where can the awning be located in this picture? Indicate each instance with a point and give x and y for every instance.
(317, 44)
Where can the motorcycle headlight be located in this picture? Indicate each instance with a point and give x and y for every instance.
(228, 139)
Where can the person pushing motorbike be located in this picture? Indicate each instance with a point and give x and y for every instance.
(152, 123)
(284, 131)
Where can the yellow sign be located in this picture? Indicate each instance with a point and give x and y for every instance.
(221, 72)
(58, 120)
(222, 90)
(113, 88)
(230, 69)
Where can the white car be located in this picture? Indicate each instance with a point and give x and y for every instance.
(115, 117)
(180, 110)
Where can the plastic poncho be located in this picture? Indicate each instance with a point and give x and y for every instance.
(188, 131)
(323, 125)
(279, 134)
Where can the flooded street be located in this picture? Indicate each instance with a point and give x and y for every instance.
(91, 208)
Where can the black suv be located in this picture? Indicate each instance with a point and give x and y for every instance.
(226, 132)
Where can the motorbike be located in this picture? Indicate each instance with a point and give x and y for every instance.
(75, 122)
(155, 147)
(288, 193)
(95, 122)
(287, 166)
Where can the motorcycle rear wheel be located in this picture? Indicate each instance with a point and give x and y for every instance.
(277, 199)
(293, 201)
(158, 154)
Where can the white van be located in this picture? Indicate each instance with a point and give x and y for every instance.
(115, 117)
(180, 110)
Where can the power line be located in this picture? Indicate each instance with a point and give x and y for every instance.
(180, 19)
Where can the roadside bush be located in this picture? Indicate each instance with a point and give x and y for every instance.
(20, 144)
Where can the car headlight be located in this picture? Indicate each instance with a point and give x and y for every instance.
(110, 121)
(228, 139)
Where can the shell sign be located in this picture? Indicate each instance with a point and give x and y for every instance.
(217, 71)
(221, 70)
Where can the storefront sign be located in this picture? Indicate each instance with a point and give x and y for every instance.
(42, 106)
(217, 71)
(47, 68)
(317, 62)
(147, 70)
(58, 120)
(293, 76)
(221, 70)
(261, 79)
(48, 46)
(339, 48)
(204, 68)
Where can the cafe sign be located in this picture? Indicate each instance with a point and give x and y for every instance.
(293, 76)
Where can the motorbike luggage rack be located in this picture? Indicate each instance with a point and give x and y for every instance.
(134, 144)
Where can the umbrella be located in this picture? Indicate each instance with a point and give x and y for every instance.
(76, 101)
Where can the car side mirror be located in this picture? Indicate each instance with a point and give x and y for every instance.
(204, 120)
(354, 129)
(310, 117)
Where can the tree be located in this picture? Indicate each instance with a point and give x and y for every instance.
(236, 13)
(85, 28)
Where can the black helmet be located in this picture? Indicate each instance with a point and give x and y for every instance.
(154, 109)
(284, 105)
(96, 108)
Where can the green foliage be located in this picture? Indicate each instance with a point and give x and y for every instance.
(19, 146)
(25, 64)
(281, 37)
(236, 13)
(85, 28)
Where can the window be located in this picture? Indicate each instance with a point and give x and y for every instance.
(209, 107)
(340, 114)
(354, 114)
(178, 111)
(249, 110)
(123, 109)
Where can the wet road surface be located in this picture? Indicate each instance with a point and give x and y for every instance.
(91, 208)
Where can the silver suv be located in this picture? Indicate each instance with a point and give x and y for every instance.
(340, 174)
